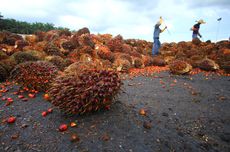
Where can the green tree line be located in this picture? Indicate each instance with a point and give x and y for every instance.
(20, 27)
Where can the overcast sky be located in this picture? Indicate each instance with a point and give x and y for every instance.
(130, 18)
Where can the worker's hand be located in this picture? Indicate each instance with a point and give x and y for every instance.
(200, 36)
(166, 27)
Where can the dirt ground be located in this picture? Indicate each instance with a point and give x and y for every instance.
(184, 113)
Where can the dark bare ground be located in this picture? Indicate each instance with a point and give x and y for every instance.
(189, 114)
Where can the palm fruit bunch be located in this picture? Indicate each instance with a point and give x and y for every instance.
(58, 61)
(224, 59)
(51, 49)
(40, 55)
(77, 67)
(124, 56)
(158, 61)
(68, 45)
(85, 57)
(39, 46)
(208, 65)
(3, 55)
(40, 35)
(104, 38)
(104, 53)
(196, 41)
(147, 60)
(11, 39)
(85, 91)
(86, 40)
(82, 31)
(64, 32)
(3, 35)
(85, 49)
(180, 67)
(127, 48)
(32, 39)
(34, 75)
(3, 73)
(137, 62)
(122, 65)
(116, 44)
(8, 64)
(21, 57)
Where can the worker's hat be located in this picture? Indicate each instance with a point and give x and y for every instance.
(160, 21)
(201, 21)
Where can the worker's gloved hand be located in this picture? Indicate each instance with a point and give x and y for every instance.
(200, 36)
(166, 27)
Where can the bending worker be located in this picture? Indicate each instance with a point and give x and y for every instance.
(196, 28)
(156, 34)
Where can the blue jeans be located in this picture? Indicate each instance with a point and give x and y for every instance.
(156, 46)
(194, 36)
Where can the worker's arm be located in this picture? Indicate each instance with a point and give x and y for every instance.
(199, 34)
(164, 29)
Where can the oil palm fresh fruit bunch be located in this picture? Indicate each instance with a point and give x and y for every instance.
(86, 91)
(34, 75)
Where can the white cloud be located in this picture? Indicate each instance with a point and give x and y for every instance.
(130, 18)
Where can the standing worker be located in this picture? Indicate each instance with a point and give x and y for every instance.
(196, 28)
(156, 34)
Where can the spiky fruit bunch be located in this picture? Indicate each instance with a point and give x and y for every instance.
(40, 46)
(104, 53)
(57, 61)
(21, 57)
(19, 44)
(106, 64)
(208, 65)
(147, 60)
(116, 44)
(31, 39)
(124, 56)
(40, 35)
(8, 64)
(85, 58)
(11, 39)
(40, 55)
(86, 40)
(34, 75)
(169, 59)
(180, 67)
(158, 61)
(104, 38)
(82, 31)
(78, 67)
(85, 49)
(195, 60)
(3, 55)
(68, 45)
(3, 74)
(51, 35)
(137, 62)
(3, 35)
(85, 92)
(65, 32)
(122, 65)
(196, 41)
(51, 49)
(126, 48)
(135, 53)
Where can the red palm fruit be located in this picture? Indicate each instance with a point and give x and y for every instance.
(44, 113)
(63, 127)
(11, 119)
(50, 110)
